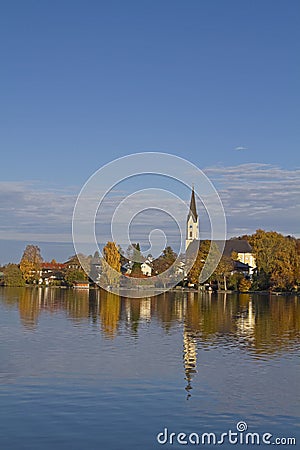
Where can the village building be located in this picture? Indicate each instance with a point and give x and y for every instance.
(51, 272)
(244, 261)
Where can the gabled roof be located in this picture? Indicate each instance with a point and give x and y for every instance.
(193, 209)
(232, 245)
(238, 265)
(237, 245)
(52, 266)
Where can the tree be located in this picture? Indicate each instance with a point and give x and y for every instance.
(30, 263)
(137, 259)
(72, 275)
(111, 267)
(164, 261)
(285, 272)
(205, 262)
(277, 259)
(244, 285)
(234, 256)
(32, 253)
(234, 280)
(95, 265)
(96, 255)
(224, 269)
(29, 271)
(123, 259)
(13, 276)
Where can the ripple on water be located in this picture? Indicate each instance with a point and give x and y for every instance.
(79, 373)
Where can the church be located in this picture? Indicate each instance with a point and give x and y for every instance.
(246, 261)
(192, 227)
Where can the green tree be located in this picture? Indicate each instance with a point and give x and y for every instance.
(234, 280)
(13, 276)
(72, 275)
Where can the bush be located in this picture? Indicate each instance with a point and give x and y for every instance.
(244, 285)
(13, 276)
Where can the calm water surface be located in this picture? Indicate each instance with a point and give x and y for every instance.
(90, 370)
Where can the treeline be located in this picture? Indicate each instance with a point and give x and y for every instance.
(277, 265)
(30, 270)
(277, 259)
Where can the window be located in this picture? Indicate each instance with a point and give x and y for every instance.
(191, 234)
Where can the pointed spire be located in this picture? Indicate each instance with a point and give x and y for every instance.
(193, 209)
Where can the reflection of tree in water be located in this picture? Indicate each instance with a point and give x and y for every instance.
(277, 324)
(77, 304)
(109, 311)
(29, 306)
(94, 301)
(260, 324)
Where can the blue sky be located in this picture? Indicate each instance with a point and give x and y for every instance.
(82, 83)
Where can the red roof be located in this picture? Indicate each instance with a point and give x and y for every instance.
(54, 266)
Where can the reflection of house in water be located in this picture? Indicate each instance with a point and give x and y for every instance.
(245, 324)
(145, 309)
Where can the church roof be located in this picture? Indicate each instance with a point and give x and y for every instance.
(237, 245)
(193, 209)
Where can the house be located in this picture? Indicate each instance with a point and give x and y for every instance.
(81, 285)
(243, 251)
(242, 268)
(146, 268)
(73, 263)
(51, 272)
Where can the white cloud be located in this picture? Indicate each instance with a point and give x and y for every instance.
(254, 196)
(240, 147)
(27, 211)
(259, 196)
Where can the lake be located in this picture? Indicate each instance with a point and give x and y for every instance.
(91, 370)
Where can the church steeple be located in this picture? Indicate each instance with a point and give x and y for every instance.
(192, 228)
(193, 209)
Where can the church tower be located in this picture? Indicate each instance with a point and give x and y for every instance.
(192, 226)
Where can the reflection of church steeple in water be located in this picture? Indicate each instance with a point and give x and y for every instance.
(189, 358)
